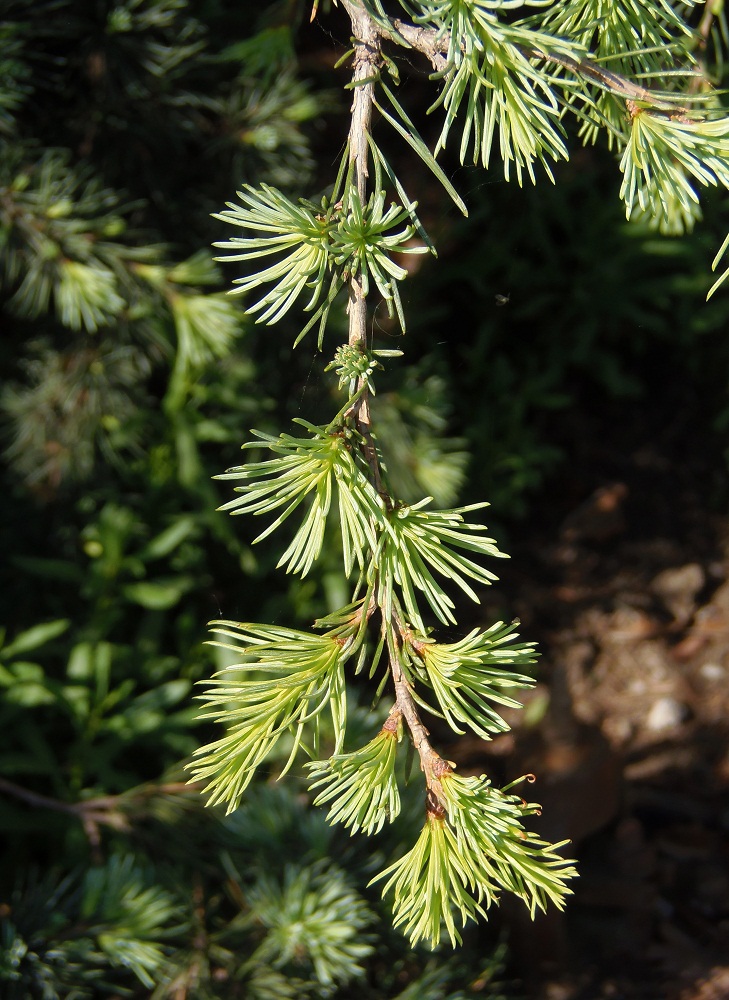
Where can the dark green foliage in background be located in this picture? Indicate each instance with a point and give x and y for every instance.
(129, 380)
(576, 309)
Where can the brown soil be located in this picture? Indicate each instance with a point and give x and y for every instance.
(627, 734)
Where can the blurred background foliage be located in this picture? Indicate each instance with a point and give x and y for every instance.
(130, 379)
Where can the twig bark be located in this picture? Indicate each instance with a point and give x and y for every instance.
(367, 61)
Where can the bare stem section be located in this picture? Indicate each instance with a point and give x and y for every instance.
(367, 60)
(432, 764)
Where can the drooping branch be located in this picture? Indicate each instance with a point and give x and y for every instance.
(400, 554)
(368, 37)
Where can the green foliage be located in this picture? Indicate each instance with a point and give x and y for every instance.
(97, 686)
(659, 161)
(299, 675)
(315, 919)
(79, 936)
(505, 857)
(324, 246)
(490, 63)
(417, 542)
(466, 854)
(469, 675)
(294, 228)
(318, 465)
(632, 39)
(432, 883)
(56, 228)
(361, 784)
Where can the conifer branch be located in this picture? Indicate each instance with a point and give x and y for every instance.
(405, 554)
(435, 44)
(409, 559)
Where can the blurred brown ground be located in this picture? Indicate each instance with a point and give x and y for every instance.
(626, 732)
